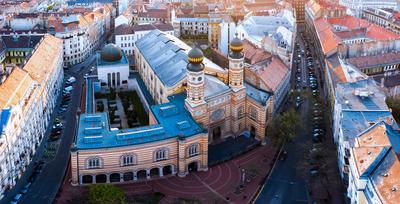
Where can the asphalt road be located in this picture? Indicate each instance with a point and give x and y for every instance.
(285, 183)
(46, 185)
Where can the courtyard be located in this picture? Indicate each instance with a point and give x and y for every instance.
(236, 180)
(124, 108)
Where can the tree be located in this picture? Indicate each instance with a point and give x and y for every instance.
(106, 194)
(283, 128)
(394, 104)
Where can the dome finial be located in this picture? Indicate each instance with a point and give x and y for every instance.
(236, 45)
(195, 57)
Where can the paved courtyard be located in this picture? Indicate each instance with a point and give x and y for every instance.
(217, 185)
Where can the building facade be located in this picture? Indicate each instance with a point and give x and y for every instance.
(355, 7)
(28, 97)
(126, 36)
(223, 112)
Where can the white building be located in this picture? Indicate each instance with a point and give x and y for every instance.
(273, 33)
(126, 36)
(190, 26)
(227, 33)
(112, 66)
(121, 20)
(151, 16)
(27, 99)
(355, 7)
(75, 41)
(81, 34)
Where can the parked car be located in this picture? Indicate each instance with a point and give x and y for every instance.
(55, 133)
(71, 80)
(298, 101)
(26, 188)
(52, 139)
(68, 89)
(62, 110)
(16, 198)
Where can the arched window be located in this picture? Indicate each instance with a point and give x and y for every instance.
(161, 154)
(253, 113)
(194, 150)
(241, 112)
(128, 160)
(94, 163)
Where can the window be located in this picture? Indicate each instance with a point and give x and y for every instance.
(94, 163)
(128, 160)
(241, 112)
(161, 154)
(194, 150)
(253, 113)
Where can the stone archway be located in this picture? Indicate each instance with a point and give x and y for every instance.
(101, 178)
(128, 176)
(115, 177)
(193, 166)
(87, 179)
(154, 172)
(252, 132)
(142, 174)
(167, 170)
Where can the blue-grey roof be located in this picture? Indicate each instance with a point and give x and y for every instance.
(258, 95)
(4, 118)
(174, 120)
(214, 87)
(356, 122)
(70, 19)
(167, 59)
(394, 137)
(361, 95)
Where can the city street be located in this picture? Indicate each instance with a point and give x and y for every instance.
(45, 187)
(290, 180)
(286, 183)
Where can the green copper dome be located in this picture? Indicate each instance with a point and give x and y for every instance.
(111, 53)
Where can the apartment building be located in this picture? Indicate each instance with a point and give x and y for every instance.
(27, 100)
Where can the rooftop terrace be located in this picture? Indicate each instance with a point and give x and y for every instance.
(361, 95)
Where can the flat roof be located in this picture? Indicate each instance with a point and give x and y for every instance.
(360, 95)
(173, 120)
(356, 122)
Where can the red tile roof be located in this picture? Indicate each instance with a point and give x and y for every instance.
(375, 60)
(273, 74)
(254, 54)
(353, 27)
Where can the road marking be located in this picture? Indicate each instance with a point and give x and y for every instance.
(209, 187)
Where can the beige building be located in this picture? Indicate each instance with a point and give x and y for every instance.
(210, 104)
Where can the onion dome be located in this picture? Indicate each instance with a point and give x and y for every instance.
(195, 57)
(111, 53)
(236, 47)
